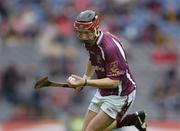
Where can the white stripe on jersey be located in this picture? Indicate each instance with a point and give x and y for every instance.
(129, 77)
(102, 52)
(98, 42)
(120, 87)
(123, 54)
(120, 48)
(100, 37)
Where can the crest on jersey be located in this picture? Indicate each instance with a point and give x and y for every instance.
(114, 67)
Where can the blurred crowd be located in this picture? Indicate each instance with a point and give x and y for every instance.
(48, 26)
(167, 93)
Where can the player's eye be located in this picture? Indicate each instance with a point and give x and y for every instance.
(85, 34)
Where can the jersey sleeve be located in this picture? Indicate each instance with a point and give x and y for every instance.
(116, 64)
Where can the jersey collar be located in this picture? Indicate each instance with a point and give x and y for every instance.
(100, 37)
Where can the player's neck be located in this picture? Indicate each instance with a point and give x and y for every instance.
(96, 39)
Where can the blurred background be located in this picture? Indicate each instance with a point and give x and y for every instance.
(37, 38)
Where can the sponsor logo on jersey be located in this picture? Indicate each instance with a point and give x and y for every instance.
(114, 69)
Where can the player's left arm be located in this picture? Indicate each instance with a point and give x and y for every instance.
(96, 83)
(103, 83)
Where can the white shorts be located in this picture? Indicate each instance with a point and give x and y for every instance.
(111, 105)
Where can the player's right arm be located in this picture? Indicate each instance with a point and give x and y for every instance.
(89, 70)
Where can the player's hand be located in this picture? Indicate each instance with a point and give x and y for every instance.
(76, 82)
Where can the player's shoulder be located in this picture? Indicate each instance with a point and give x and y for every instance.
(108, 42)
(109, 35)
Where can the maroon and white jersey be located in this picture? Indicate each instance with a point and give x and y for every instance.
(109, 60)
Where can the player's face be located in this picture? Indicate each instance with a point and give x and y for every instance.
(86, 35)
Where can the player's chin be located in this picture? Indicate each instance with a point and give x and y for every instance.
(88, 41)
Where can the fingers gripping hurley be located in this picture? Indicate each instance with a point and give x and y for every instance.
(44, 82)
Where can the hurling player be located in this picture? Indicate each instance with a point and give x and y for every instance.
(116, 87)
